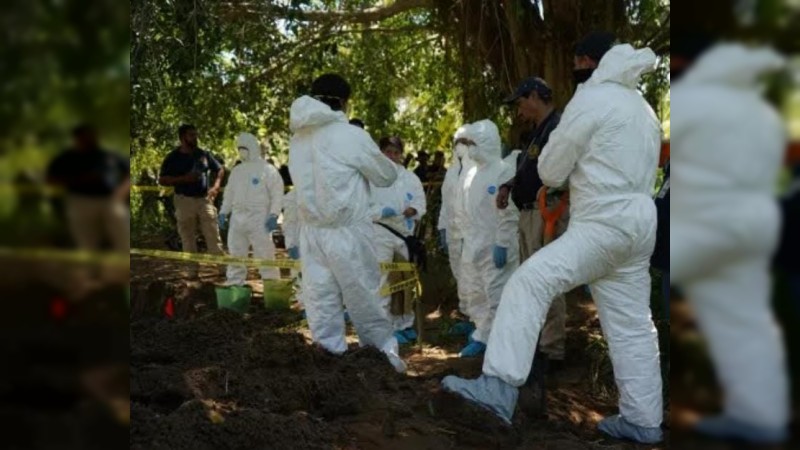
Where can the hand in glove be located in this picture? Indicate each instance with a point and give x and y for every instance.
(294, 253)
(272, 223)
(388, 212)
(443, 240)
(500, 255)
(222, 221)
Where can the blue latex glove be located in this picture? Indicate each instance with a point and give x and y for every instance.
(410, 334)
(388, 212)
(500, 255)
(462, 329)
(294, 252)
(272, 223)
(222, 221)
(472, 350)
(401, 338)
(443, 240)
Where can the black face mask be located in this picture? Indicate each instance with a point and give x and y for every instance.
(582, 75)
(676, 74)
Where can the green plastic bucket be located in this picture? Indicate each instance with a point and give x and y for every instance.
(236, 298)
(277, 294)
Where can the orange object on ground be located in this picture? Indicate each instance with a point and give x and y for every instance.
(551, 216)
(664, 154)
(793, 153)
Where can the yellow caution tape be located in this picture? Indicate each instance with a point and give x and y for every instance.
(164, 189)
(281, 264)
(71, 256)
(401, 286)
(222, 259)
(398, 267)
(41, 189)
(216, 259)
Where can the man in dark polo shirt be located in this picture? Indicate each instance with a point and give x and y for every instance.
(534, 103)
(189, 170)
(97, 184)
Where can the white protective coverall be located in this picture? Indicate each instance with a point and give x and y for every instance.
(607, 147)
(728, 148)
(486, 228)
(511, 158)
(291, 225)
(253, 193)
(406, 192)
(452, 215)
(291, 232)
(332, 164)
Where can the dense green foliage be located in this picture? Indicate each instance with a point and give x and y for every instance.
(417, 67)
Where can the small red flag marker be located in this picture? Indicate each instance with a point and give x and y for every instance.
(169, 308)
(58, 308)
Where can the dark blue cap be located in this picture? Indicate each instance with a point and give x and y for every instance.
(595, 45)
(528, 85)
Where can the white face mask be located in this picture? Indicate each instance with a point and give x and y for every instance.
(475, 153)
(461, 150)
(244, 154)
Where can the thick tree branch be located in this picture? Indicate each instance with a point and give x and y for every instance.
(367, 15)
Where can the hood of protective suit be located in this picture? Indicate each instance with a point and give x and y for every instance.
(625, 65)
(310, 113)
(249, 142)
(487, 139)
(460, 132)
(733, 64)
(460, 150)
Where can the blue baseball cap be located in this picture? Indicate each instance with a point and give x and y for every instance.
(528, 85)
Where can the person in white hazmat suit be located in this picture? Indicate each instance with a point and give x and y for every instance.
(452, 222)
(399, 206)
(728, 147)
(606, 147)
(291, 234)
(491, 241)
(252, 204)
(332, 164)
(512, 157)
(291, 225)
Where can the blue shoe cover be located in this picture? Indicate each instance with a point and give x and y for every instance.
(728, 428)
(619, 428)
(410, 334)
(472, 350)
(401, 338)
(487, 392)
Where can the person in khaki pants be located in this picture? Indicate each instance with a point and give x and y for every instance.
(188, 169)
(97, 185)
(534, 103)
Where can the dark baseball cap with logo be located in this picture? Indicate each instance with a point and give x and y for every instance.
(528, 85)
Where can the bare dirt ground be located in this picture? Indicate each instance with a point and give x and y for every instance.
(215, 379)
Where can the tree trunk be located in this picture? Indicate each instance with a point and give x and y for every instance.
(511, 39)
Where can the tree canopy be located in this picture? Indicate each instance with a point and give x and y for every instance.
(419, 68)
